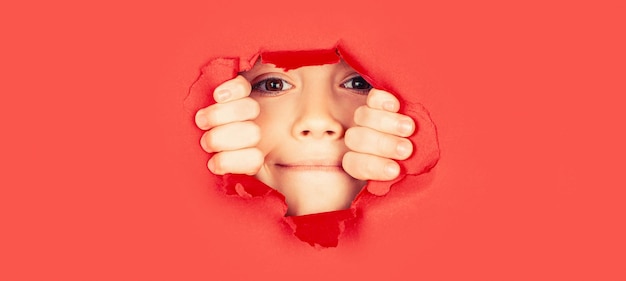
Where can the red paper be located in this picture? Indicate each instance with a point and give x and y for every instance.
(103, 179)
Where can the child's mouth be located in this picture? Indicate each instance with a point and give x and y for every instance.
(326, 165)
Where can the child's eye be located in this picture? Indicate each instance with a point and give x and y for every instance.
(357, 83)
(272, 85)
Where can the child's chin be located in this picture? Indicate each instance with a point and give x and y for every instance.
(321, 194)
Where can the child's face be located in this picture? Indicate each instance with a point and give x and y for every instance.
(304, 114)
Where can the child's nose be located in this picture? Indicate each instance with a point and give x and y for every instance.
(316, 120)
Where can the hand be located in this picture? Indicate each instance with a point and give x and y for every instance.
(231, 134)
(379, 138)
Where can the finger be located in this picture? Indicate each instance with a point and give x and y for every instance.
(233, 89)
(384, 121)
(224, 113)
(382, 100)
(244, 161)
(369, 167)
(370, 141)
(231, 136)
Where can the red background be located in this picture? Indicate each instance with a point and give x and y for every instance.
(102, 175)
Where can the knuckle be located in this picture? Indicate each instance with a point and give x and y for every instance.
(371, 169)
(383, 145)
(255, 133)
(386, 122)
(249, 108)
(397, 125)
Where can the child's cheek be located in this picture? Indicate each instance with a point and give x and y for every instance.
(272, 124)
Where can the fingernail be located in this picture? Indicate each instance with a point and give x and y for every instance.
(403, 149)
(389, 106)
(392, 169)
(405, 127)
(223, 95)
